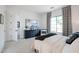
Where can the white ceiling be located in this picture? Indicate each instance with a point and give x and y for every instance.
(38, 8)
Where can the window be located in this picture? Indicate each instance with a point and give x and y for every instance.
(56, 24)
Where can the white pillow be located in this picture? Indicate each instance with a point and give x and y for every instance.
(72, 48)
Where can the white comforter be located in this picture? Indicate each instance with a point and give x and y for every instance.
(52, 44)
(72, 48)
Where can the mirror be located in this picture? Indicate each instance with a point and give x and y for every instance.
(31, 24)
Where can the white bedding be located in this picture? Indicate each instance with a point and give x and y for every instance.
(52, 44)
(72, 48)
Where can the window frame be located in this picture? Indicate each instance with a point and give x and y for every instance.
(56, 24)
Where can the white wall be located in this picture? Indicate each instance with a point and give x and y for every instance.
(2, 27)
(43, 21)
(14, 13)
(75, 18)
(3, 12)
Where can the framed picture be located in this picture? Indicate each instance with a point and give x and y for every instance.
(27, 23)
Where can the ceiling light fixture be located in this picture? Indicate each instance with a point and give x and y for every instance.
(51, 7)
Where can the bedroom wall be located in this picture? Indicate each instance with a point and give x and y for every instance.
(75, 18)
(14, 14)
(3, 12)
(2, 27)
(43, 21)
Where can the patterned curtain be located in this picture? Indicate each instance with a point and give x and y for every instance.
(67, 22)
(48, 21)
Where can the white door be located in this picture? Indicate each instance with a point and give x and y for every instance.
(12, 27)
(14, 30)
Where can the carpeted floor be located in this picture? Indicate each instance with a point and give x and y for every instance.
(21, 46)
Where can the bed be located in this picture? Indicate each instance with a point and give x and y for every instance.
(52, 44)
(57, 44)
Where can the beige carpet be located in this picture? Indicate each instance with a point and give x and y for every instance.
(21, 46)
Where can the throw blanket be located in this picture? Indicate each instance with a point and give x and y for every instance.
(44, 36)
(52, 44)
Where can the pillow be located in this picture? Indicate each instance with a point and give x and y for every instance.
(45, 36)
(72, 37)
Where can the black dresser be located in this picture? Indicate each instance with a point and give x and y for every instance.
(31, 33)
